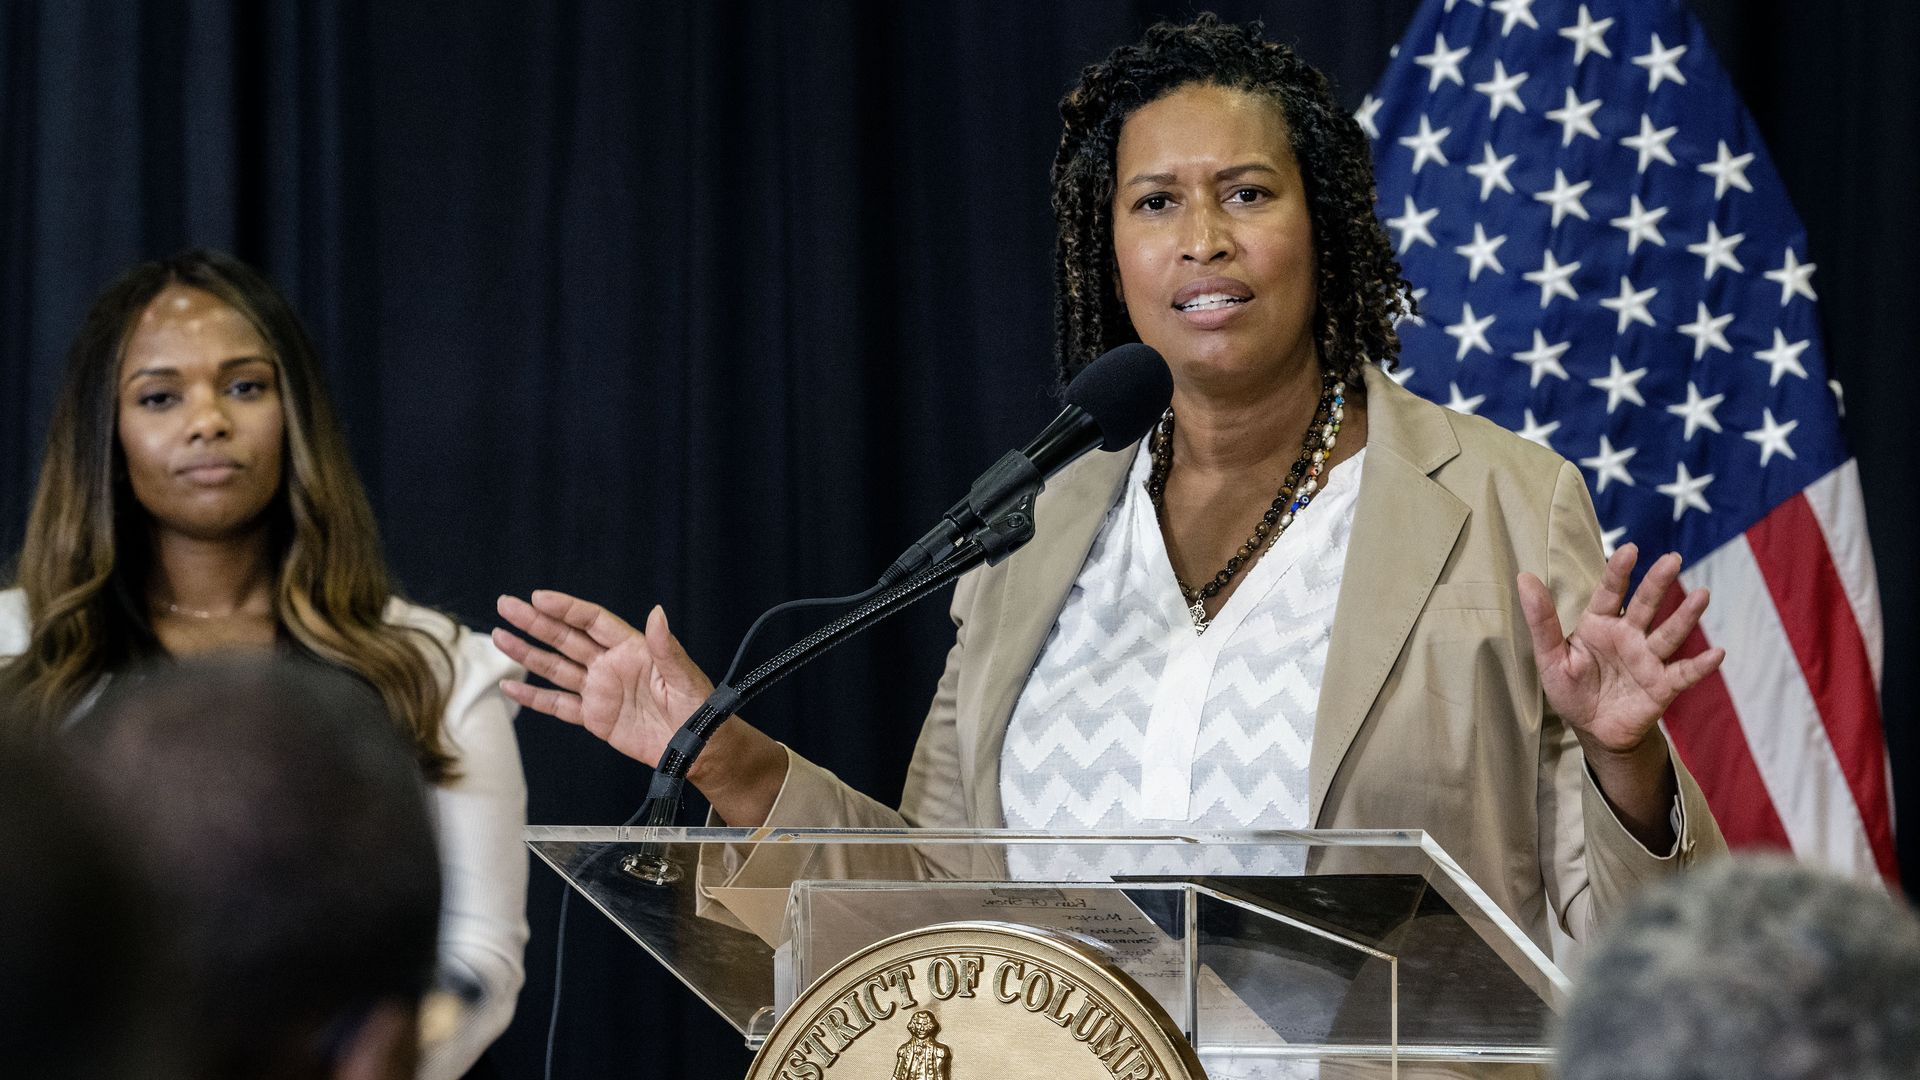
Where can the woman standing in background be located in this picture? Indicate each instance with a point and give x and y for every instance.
(197, 496)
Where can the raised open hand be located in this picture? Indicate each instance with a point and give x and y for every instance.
(1613, 675)
(632, 688)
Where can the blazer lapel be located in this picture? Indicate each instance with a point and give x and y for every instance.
(1404, 528)
(1037, 580)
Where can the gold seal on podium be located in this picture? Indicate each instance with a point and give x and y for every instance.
(976, 1001)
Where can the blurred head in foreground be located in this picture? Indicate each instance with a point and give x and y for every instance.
(77, 993)
(282, 819)
(1751, 969)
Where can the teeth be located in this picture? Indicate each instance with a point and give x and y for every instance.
(1211, 301)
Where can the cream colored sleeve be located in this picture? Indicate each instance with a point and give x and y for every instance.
(480, 819)
(813, 797)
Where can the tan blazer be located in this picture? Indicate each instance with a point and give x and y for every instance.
(1431, 715)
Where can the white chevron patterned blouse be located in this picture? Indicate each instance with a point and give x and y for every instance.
(1131, 720)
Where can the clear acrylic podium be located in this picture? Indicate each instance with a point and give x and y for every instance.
(1268, 949)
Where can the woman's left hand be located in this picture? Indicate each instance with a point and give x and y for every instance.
(1612, 678)
(1614, 675)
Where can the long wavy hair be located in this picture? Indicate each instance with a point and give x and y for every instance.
(87, 556)
(1360, 289)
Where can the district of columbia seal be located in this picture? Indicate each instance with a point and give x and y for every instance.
(976, 1001)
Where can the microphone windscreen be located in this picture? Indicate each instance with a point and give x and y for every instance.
(1125, 391)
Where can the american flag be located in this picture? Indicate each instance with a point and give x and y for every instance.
(1607, 263)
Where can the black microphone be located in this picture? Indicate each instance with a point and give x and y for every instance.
(1111, 404)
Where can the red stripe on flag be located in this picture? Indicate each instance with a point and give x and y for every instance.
(1706, 733)
(1807, 591)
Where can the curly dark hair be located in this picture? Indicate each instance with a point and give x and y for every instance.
(1361, 291)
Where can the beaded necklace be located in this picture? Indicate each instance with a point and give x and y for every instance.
(1296, 491)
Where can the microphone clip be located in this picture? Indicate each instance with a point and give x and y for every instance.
(998, 495)
(1007, 532)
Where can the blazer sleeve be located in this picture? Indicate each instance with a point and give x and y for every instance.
(813, 797)
(1592, 864)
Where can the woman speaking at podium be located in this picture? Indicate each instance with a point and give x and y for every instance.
(1309, 599)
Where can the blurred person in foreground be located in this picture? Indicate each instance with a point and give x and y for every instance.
(197, 496)
(1751, 969)
(79, 996)
(283, 825)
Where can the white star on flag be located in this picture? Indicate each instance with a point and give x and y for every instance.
(1369, 105)
(1412, 225)
(1413, 316)
(1588, 36)
(1728, 171)
(1641, 224)
(1465, 405)
(1631, 305)
(1610, 464)
(1662, 64)
(1565, 197)
(1717, 250)
(1516, 11)
(1502, 90)
(1793, 276)
(1620, 384)
(1442, 64)
(1772, 437)
(1697, 411)
(1535, 432)
(1472, 332)
(1553, 278)
(1426, 144)
(1492, 172)
(1414, 306)
(1651, 144)
(1686, 491)
(1481, 253)
(1783, 357)
(1544, 358)
(1708, 331)
(1575, 118)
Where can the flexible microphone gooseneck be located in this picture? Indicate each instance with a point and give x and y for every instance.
(663, 795)
(1111, 404)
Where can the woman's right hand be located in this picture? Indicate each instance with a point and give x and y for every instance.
(634, 689)
(631, 688)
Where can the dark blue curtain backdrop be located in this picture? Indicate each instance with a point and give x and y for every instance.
(716, 304)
